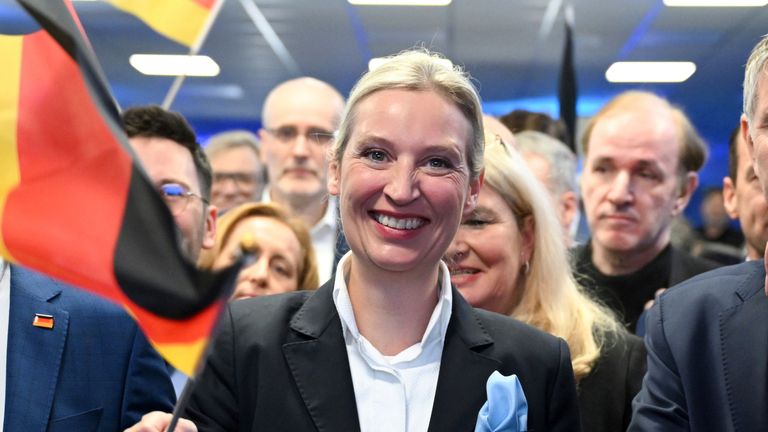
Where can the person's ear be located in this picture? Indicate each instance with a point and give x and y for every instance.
(730, 202)
(569, 208)
(474, 191)
(747, 137)
(209, 236)
(528, 237)
(334, 175)
(687, 188)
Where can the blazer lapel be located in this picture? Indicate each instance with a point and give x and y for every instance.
(34, 353)
(458, 398)
(744, 332)
(327, 392)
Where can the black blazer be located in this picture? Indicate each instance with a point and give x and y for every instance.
(605, 395)
(280, 364)
(707, 350)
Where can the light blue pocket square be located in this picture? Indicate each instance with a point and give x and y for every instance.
(506, 409)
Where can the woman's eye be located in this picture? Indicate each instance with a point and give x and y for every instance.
(375, 155)
(283, 271)
(438, 163)
(475, 222)
(251, 255)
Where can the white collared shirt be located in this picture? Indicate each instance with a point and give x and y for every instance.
(5, 312)
(394, 393)
(323, 235)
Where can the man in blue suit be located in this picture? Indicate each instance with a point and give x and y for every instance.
(707, 339)
(74, 362)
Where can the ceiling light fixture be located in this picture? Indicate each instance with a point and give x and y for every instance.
(650, 72)
(400, 2)
(174, 65)
(715, 3)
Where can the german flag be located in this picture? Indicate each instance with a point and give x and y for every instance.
(180, 20)
(75, 205)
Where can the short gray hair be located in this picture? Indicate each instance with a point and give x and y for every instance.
(419, 70)
(755, 65)
(561, 160)
(232, 139)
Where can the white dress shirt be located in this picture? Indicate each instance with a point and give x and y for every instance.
(394, 393)
(5, 312)
(323, 235)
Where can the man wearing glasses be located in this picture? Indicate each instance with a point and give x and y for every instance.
(238, 173)
(299, 117)
(168, 150)
(72, 361)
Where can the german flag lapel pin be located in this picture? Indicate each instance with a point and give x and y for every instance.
(43, 321)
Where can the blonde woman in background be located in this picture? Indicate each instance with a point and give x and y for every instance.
(283, 258)
(508, 257)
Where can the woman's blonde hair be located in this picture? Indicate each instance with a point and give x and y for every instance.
(419, 70)
(307, 271)
(551, 299)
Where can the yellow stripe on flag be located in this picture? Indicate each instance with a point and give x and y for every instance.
(183, 356)
(10, 76)
(180, 20)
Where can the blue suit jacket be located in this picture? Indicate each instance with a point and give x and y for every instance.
(94, 371)
(707, 343)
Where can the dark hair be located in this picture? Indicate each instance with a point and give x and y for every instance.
(733, 154)
(152, 121)
(522, 120)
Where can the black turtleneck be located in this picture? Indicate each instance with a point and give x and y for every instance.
(624, 294)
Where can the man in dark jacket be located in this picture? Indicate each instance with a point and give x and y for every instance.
(642, 158)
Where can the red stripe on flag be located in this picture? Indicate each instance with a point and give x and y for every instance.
(65, 150)
(208, 4)
(164, 330)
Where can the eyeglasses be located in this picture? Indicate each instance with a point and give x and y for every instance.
(289, 134)
(241, 180)
(177, 197)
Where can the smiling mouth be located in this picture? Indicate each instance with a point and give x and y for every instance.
(463, 272)
(411, 223)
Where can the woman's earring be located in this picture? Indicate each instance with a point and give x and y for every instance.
(526, 267)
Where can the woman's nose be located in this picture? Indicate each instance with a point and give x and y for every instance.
(258, 272)
(402, 187)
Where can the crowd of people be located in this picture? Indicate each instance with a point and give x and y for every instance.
(400, 247)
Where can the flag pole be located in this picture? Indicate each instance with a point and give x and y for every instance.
(193, 50)
(567, 86)
(246, 258)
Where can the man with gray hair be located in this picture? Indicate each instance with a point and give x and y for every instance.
(238, 172)
(707, 339)
(554, 164)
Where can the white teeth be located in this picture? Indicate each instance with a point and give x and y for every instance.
(406, 223)
(460, 272)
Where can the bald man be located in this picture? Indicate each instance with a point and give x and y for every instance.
(299, 118)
